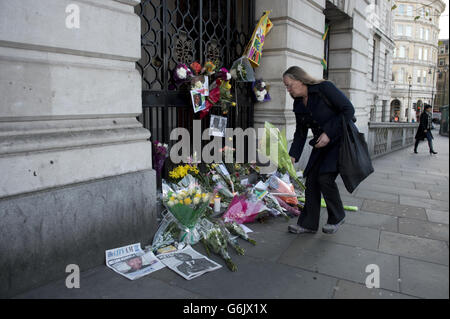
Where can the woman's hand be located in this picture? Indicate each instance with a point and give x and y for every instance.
(322, 141)
(292, 160)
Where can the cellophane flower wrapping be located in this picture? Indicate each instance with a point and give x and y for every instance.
(242, 210)
(279, 186)
(187, 205)
(282, 159)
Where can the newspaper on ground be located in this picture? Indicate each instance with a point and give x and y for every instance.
(188, 263)
(132, 262)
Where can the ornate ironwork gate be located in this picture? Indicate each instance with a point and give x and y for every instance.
(184, 31)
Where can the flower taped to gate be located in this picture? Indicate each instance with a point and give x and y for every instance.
(254, 49)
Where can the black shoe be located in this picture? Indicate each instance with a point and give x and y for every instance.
(432, 152)
(415, 151)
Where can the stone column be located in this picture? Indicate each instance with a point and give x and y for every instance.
(295, 39)
(74, 161)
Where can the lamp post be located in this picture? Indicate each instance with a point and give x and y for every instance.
(432, 88)
(409, 94)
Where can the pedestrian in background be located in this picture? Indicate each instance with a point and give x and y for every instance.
(424, 130)
(312, 99)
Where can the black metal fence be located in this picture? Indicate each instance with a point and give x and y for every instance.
(184, 31)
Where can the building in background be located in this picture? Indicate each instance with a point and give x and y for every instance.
(416, 32)
(442, 82)
(381, 48)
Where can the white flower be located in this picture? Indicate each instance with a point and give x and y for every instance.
(159, 144)
(165, 145)
(263, 92)
(170, 203)
(228, 76)
(196, 200)
(263, 84)
(198, 85)
(182, 73)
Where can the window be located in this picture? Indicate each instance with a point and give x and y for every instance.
(409, 11)
(401, 9)
(399, 29)
(427, 35)
(424, 76)
(421, 33)
(425, 54)
(401, 52)
(420, 54)
(408, 31)
(418, 77)
(401, 75)
(441, 62)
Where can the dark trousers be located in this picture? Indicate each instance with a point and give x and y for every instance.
(430, 142)
(315, 185)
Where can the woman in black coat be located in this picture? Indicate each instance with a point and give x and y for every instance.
(318, 106)
(424, 130)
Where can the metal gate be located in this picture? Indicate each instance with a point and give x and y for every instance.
(184, 31)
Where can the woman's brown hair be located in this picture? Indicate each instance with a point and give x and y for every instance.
(298, 74)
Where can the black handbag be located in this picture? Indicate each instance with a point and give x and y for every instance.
(354, 164)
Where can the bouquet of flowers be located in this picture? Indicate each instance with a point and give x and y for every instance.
(242, 71)
(182, 73)
(215, 240)
(237, 230)
(159, 156)
(187, 206)
(261, 91)
(282, 159)
(242, 210)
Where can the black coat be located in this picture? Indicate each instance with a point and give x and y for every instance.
(423, 125)
(318, 116)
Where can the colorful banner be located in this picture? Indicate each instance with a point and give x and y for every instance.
(255, 47)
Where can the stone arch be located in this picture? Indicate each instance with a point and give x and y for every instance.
(395, 110)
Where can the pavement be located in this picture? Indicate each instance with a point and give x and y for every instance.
(401, 232)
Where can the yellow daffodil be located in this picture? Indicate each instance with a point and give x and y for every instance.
(187, 201)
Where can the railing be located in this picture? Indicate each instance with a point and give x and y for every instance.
(385, 137)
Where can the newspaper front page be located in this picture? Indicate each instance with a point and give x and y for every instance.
(132, 262)
(188, 263)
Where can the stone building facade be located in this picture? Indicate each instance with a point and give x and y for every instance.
(442, 80)
(76, 167)
(416, 32)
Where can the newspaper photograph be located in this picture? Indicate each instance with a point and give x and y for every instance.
(132, 262)
(188, 263)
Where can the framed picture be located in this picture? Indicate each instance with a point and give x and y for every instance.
(198, 101)
(217, 125)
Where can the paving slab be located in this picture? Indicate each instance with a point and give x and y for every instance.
(372, 220)
(351, 235)
(103, 283)
(385, 197)
(414, 247)
(350, 290)
(437, 216)
(424, 203)
(341, 261)
(439, 195)
(394, 209)
(423, 279)
(389, 189)
(423, 229)
(259, 279)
